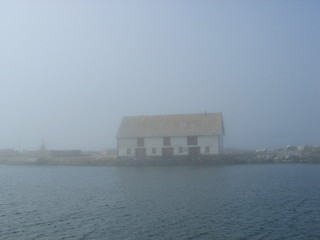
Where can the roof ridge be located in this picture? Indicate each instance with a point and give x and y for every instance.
(179, 114)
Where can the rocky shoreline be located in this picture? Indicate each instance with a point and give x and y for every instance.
(311, 155)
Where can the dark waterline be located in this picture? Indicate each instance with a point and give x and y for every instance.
(189, 202)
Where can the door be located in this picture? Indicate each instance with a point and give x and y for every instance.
(194, 151)
(140, 152)
(167, 152)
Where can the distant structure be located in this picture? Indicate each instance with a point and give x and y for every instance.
(43, 147)
(170, 135)
(65, 153)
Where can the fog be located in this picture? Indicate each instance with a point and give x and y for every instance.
(70, 70)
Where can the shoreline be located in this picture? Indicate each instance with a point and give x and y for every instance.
(223, 159)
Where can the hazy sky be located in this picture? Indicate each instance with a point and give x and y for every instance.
(70, 70)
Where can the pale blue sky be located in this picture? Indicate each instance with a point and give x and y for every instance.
(70, 70)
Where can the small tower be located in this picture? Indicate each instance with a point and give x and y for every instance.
(43, 147)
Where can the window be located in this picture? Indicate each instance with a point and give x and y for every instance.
(192, 140)
(154, 150)
(180, 149)
(207, 150)
(128, 151)
(140, 142)
(166, 141)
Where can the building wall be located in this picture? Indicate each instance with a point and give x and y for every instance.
(221, 145)
(214, 143)
(124, 144)
(209, 141)
(156, 143)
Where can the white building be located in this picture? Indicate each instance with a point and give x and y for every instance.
(170, 135)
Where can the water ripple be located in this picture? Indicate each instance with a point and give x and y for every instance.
(216, 202)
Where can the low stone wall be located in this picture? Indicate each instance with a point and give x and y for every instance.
(18, 160)
(266, 157)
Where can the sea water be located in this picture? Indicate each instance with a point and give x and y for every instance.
(185, 202)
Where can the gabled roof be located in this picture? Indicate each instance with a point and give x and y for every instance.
(205, 124)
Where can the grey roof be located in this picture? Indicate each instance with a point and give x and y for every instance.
(204, 124)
